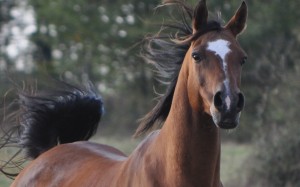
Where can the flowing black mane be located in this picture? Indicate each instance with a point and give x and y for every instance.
(166, 52)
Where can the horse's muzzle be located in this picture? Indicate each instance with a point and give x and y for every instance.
(226, 109)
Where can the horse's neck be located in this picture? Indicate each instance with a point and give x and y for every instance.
(190, 142)
(186, 151)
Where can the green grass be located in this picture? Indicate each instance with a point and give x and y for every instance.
(233, 156)
(4, 181)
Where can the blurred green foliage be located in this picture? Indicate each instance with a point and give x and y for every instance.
(101, 41)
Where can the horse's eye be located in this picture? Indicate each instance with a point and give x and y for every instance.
(244, 60)
(197, 57)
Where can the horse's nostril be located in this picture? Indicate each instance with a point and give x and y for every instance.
(234, 104)
(218, 101)
(241, 102)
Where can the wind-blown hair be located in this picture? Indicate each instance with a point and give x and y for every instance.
(166, 52)
(42, 120)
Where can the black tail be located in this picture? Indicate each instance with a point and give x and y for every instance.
(55, 117)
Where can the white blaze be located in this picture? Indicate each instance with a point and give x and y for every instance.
(221, 48)
(227, 101)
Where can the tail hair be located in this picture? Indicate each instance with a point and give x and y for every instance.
(56, 117)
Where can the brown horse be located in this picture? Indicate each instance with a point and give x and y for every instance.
(203, 96)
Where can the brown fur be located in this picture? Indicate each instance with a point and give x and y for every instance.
(185, 152)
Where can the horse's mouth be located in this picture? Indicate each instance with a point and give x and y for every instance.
(224, 121)
(228, 125)
(229, 122)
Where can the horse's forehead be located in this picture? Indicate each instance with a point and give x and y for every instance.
(222, 37)
(220, 47)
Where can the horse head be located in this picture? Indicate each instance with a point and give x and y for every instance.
(215, 61)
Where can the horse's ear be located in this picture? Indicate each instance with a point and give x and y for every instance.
(200, 15)
(238, 22)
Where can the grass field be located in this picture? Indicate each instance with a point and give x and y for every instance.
(233, 157)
